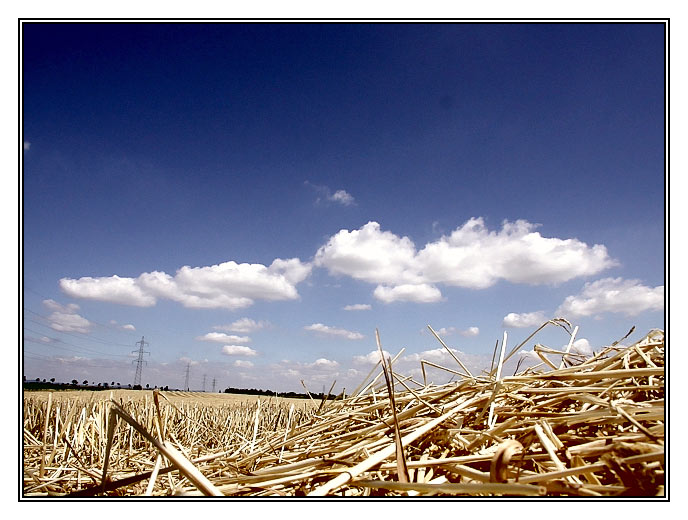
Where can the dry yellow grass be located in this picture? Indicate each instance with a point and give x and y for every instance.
(571, 427)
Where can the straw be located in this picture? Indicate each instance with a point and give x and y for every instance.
(595, 428)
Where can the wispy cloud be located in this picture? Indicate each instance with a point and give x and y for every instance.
(443, 331)
(614, 295)
(221, 337)
(333, 331)
(342, 197)
(189, 361)
(128, 326)
(371, 357)
(325, 195)
(320, 371)
(243, 325)
(357, 307)
(448, 331)
(436, 355)
(64, 318)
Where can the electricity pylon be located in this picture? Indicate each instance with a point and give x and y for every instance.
(139, 361)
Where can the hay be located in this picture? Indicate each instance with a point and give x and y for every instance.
(571, 427)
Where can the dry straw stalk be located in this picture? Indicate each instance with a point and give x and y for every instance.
(589, 427)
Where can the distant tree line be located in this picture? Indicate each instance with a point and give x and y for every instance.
(293, 395)
(43, 384)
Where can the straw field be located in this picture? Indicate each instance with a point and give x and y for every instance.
(570, 426)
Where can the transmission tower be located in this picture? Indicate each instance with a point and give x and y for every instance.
(204, 382)
(186, 381)
(139, 362)
(214, 384)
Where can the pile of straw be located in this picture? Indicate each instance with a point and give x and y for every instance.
(573, 426)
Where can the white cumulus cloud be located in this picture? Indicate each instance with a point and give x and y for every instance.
(238, 350)
(581, 346)
(474, 257)
(615, 295)
(524, 319)
(333, 331)
(323, 363)
(419, 293)
(112, 289)
(371, 357)
(437, 355)
(471, 256)
(293, 270)
(243, 363)
(227, 285)
(470, 331)
(370, 255)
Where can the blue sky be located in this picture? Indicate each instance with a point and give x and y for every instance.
(256, 199)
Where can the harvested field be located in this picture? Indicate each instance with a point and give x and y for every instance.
(571, 426)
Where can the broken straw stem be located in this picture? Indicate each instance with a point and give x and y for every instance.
(499, 375)
(359, 468)
(568, 348)
(449, 350)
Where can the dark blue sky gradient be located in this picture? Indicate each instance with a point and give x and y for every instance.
(171, 124)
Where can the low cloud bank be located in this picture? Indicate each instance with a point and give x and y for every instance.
(471, 257)
(227, 285)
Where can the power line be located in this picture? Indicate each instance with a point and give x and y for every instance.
(56, 340)
(92, 338)
(97, 323)
(82, 362)
(26, 288)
